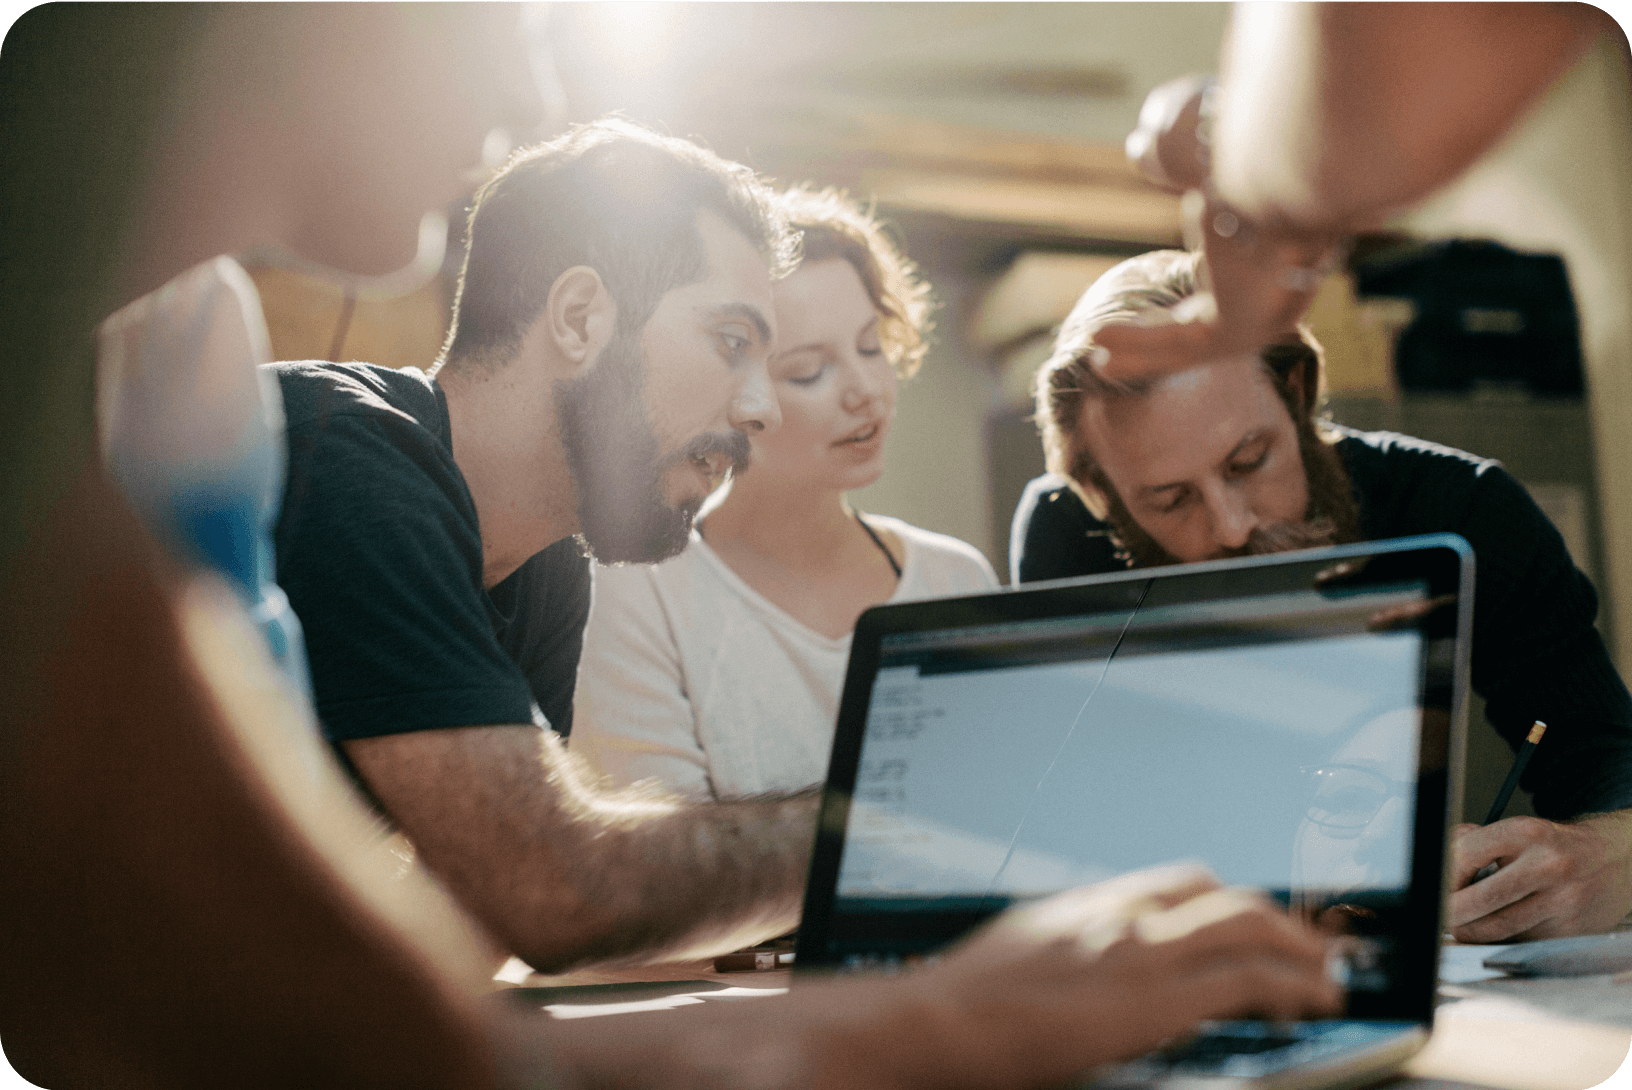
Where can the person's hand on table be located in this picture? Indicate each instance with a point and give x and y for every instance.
(1109, 972)
(1553, 879)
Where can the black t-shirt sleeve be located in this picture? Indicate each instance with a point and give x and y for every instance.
(1536, 654)
(549, 596)
(378, 551)
(1055, 536)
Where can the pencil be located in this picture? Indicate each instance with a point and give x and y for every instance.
(1520, 759)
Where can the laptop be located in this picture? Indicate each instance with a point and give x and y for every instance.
(1294, 722)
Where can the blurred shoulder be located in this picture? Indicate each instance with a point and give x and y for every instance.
(1049, 487)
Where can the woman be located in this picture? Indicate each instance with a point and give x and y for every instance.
(718, 673)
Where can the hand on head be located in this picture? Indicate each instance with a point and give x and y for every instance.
(1259, 278)
(1257, 281)
(1553, 879)
(1110, 971)
(1333, 116)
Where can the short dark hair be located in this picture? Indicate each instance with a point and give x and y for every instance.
(832, 225)
(611, 195)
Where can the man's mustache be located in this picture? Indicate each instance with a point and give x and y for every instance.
(1283, 537)
(732, 444)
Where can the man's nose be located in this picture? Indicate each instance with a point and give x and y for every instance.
(1232, 516)
(754, 409)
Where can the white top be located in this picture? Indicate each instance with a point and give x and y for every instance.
(693, 678)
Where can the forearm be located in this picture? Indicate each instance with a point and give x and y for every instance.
(564, 874)
(1368, 108)
(1096, 975)
(661, 877)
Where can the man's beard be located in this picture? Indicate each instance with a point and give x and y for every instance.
(617, 464)
(1331, 518)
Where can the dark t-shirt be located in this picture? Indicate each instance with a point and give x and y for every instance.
(379, 552)
(1536, 654)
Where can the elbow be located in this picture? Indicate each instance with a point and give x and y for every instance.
(556, 934)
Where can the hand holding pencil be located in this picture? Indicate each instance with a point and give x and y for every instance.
(1524, 878)
(1505, 795)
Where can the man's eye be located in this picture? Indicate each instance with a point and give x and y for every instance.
(1239, 468)
(734, 343)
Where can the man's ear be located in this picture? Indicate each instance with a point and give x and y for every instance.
(579, 316)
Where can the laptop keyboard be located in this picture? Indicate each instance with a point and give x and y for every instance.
(1249, 1050)
(1207, 1052)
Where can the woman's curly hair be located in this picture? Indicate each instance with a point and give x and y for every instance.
(833, 225)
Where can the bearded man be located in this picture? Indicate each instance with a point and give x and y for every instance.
(606, 360)
(1229, 458)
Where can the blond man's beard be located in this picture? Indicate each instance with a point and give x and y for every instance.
(1331, 518)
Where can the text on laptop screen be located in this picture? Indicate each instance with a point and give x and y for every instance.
(1008, 761)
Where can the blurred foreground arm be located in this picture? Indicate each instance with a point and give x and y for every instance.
(1328, 118)
(1042, 995)
(169, 816)
(1334, 115)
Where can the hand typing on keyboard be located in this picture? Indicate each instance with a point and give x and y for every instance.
(1039, 996)
(1110, 971)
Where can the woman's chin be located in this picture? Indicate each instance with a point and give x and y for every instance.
(856, 481)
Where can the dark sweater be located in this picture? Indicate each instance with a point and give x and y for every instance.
(1536, 654)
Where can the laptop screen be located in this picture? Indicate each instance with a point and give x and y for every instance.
(1269, 724)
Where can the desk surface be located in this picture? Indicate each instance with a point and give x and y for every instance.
(1505, 1033)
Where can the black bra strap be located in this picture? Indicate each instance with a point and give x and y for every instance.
(883, 548)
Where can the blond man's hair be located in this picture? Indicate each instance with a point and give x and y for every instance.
(1158, 279)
